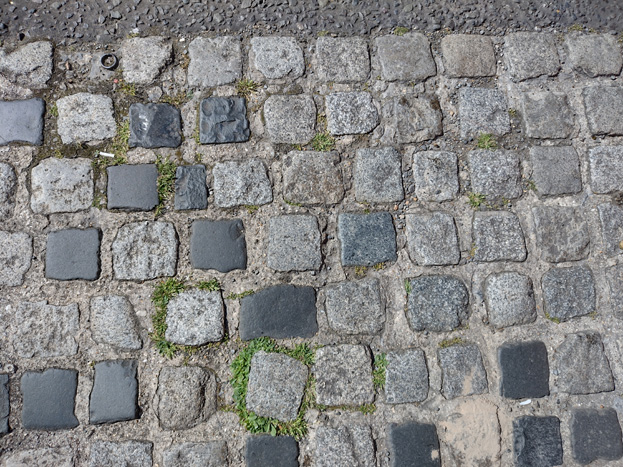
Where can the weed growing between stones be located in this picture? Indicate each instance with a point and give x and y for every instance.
(360, 271)
(400, 31)
(292, 203)
(530, 185)
(444, 344)
(475, 199)
(161, 296)
(486, 141)
(407, 286)
(127, 88)
(251, 208)
(212, 285)
(238, 296)
(53, 110)
(323, 142)
(178, 99)
(245, 87)
(166, 182)
(378, 374)
(552, 318)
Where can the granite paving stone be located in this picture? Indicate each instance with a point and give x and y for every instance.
(132, 187)
(290, 119)
(483, 111)
(58, 457)
(351, 113)
(537, 441)
(277, 57)
(413, 443)
(218, 245)
(611, 220)
(595, 434)
(143, 58)
(22, 121)
(276, 385)
(191, 191)
(606, 168)
(85, 117)
(463, 373)
(30, 65)
(195, 317)
(405, 58)
(547, 115)
(343, 375)
(410, 119)
(73, 254)
(355, 307)
(223, 120)
(15, 257)
(241, 183)
(614, 276)
(594, 54)
(468, 56)
(432, 239)
(561, 233)
(436, 175)
(497, 236)
(8, 190)
(4, 404)
(61, 185)
(114, 397)
(155, 126)
(406, 376)
(205, 454)
(214, 61)
(509, 299)
(293, 243)
(128, 453)
(48, 399)
(525, 370)
(342, 59)
(281, 311)
(604, 110)
(495, 174)
(555, 170)
(276, 451)
(366, 239)
(377, 175)
(568, 292)
(312, 178)
(530, 55)
(113, 322)
(344, 445)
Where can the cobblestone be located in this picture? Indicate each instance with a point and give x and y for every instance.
(432, 239)
(132, 187)
(210, 454)
(436, 175)
(483, 111)
(568, 292)
(290, 119)
(49, 399)
(191, 191)
(525, 370)
(223, 120)
(115, 392)
(547, 115)
(8, 189)
(15, 257)
(195, 317)
(61, 185)
(366, 239)
(463, 373)
(155, 126)
(614, 276)
(218, 245)
(22, 121)
(351, 445)
(113, 322)
(411, 119)
(85, 117)
(498, 237)
(351, 113)
(377, 175)
(413, 443)
(495, 174)
(468, 56)
(143, 58)
(214, 61)
(509, 299)
(537, 441)
(405, 58)
(312, 178)
(594, 55)
(555, 170)
(603, 110)
(73, 254)
(30, 65)
(280, 451)
(60, 457)
(342, 59)
(530, 55)
(355, 307)
(561, 234)
(595, 434)
(131, 453)
(406, 377)
(294, 243)
(611, 219)
(277, 57)
(241, 183)
(606, 168)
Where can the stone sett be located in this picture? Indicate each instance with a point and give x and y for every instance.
(525, 370)
(611, 220)
(195, 317)
(214, 61)
(132, 187)
(8, 190)
(595, 434)
(355, 307)
(555, 170)
(114, 397)
(312, 178)
(191, 191)
(568, 292)
(207, 454)
(241, 183)
(604, 110)
(509, 299)
(61, 185)
(561, 233)
(276, 451)
(22, 121)
(351, 113)
(155, 126)
(405, 58)
(294, 243)
(594, 54)
(344, 445)
(218, 245)
(30, 65)
(495, 174)
(377, 175)
(290, 119)
(406, 376)
(4, 404)
(15, 257)
(277, 57)
(58, 457)
(112, 454)
(462, 371)
(73, 254)
(223, 120)
(410, 119)
(85, 117)
(614, 276)
(530, 55)
(436, 175)
(143, 58)
(366, 239)
(113, 322)
(537, 441)
(606, 168)
(483, 111)
(497, 236)
(342, 59)
(547, 115)
(413, 443)
(468, 56)
(432, 239)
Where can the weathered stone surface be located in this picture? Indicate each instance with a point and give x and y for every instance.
(144, 250)
(568, 292)
(495, 174)
(377, 175)
(603, 105)
(437, 303)
(432, 239)
(214, 61)
(547, 115)
(277, 57)
(614, 275)
(594, 54)
(195, 317)
(555, 170)
(30, 65)
(281, 311)
(344, 445)
(294, 243)
(537, 441)
(406, 376)
(186, 397)
(114, 397)
(312, 178)
(155, 126)
(483, 111)
(497, 236)
(223, 120)
(562, 235)
(436, 175)
(595, 434)
(22, 121)
(191, 191)
(113, 454)
(85, 117)
(15, 257)
(366, 239)
(509, 299)
(530, 55)
(113, 322)
(4, 404)
(462, 371)
(8, 190)
(468, 56)
(525, 370)
(209, 454)
(351, 113)
(611, 219)
(276, 385)
(241, 183)
(290, 119)
(277, 451)
(410, 119)
(606, 168)
(343, 375)
(405, 58)
(218, 245)
(48, 399)
(355, 307)
(143, 58)
(73, 254)
(342, 59)
(413, 443)
(132, 187)
(58, 457)
(61, 185)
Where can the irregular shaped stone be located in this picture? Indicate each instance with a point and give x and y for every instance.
(312, 178)
(606, 168)
(277, 57)
(495, 174)
(436, 175)
(61, 185)
(547, 115)
(603, 105)
(241, 183)
(413, 443)
(555, 170)
(73, 254)
(218, 245)
(281, 311)
(483, 111)
(344, 445)
(276, 385)
(191, 191)
(377, 175)
(294, 243)
(114, 397)
(509, 299)
(85, 117)
(366, 239)
(143, 58)
(462, 371)
(594, 54)
(214, 61)
(4, 404)
(411, 119)
(611, 219)
(537, 441)
(112, 454)
(210, 454)
(195, 317)
(498, 236)
(405, 58)
(530, 55)
(290, 119)
(595, 434)
(15, 257)
(614, 275)
(155, 126)
(406, 376)
(48, 399)
(561, 233)
(355, 307)
(276, 451)
(568, 292)
(22, 121)
(432, 239)
(468, 56)
(113, 322)
(132, 187)
(8, 189)
(351, 113)
(145, 250)
(223, 120)
(30, 65)
(342, 59)
(58, 457)
(525, 370)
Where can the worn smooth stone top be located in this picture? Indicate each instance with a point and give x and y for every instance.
(22, 121)
(155, 126)
(133, 187)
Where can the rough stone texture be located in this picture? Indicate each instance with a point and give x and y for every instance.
(276, 385)
(606, 168)
(603, 106)
(595, 434)
(342, 59)
(366, 239)
(413, 443)
(241, 183)
(344, 445)
(61, 185)
(343, 375)
(290, 119)
(191, 191)
(468, 56)
(281, 311)
(132, 187)
(614, 275)
(73, 254)
(30, 65)
(276, 451)
(525, 370)
(15, 257)
(594, 54)
(186, 397)
(277, 57)
(406, 377)
(155, 126)
(432, 239)
(113, 322)
(85, 117)
(509, 299)
(462, 371)
(547, 115)
(143, 58)
(410, 119)
(294, 243)
(611, 219)
(22, 121)
(377, 175)
(208, 454)
(483, 111)
(8, 190)
(530, 55)
(405, 58)
(351, 113)
(495, 174)
(497, 236)
(44, 457)
(561, 233)
(214, 61)
(195, 317)
(223, 120)
(126, 453)
(436, 175)
(4, 404)
(48, 399)
(312, 178)
(355, 307)
(144, 250)
(114, 397)
(537, 441)
(555, 170)
(568, 292)
(581, 365)
(218, 245)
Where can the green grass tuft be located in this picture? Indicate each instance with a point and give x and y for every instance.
(213, 285)
(160, 297)
(486, 141)
(378, 374)
(238, 296)
(407, 286)
(166, 182)
(444, 344)
(245, 87)
(53, 110)
(475, 199)
(323, 142)
(400, 31)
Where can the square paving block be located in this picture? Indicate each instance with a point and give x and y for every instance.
(115, 392)
(525, 370)
(223, 120)
(218, 245)
(366, 239)
(414, 444)
(537, 441)
(273, 451)
(155, 126)
(191, 191)
(22, 121)
(595, 434)
(133, 187)
(73, 254)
